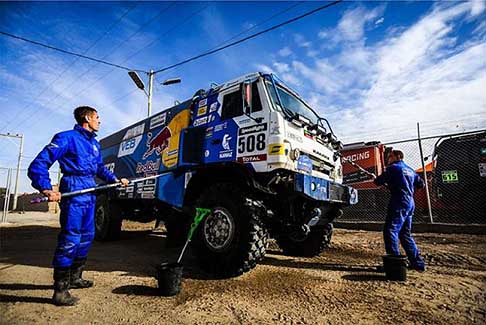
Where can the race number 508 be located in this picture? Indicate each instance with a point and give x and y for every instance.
(251, 143)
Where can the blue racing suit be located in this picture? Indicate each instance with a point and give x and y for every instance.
(78, 154)
(401, 180)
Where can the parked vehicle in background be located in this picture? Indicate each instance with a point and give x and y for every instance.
(456, 175)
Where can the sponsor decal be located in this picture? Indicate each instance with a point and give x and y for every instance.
(244, 121)
(220, 127)
(226, 142)
(202, 110)
(148, 166)
(206, 153)
(157, 143)
(178, 122)
(309, 135)
(133, 132)
(294, 136)
(276, 149)
(355, 157)
(450, 176)
(95, 149)
(323, 155)
(172, 152)
(254, 158)
(201, 121)
(150, 188)
(253, 129)
(304, 163)
(129, 146)
(212, 118)
(225, 154)
(158, 120)
(110, 167)
(203, 102)
(209, 132)
(482, 169)
(213, 107)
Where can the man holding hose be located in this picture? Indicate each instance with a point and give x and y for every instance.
(79, 156)
(401, 180)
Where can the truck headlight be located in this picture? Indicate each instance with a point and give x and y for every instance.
(294, 154)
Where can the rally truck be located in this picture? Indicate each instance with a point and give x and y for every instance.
(251, 150)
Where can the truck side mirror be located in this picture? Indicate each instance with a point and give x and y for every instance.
(247, 97)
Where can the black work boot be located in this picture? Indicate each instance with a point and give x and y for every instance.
(61, 296)
(77, 282)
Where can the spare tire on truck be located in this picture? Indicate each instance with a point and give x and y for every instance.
(232, 239)
(108, 219)
(312, 244)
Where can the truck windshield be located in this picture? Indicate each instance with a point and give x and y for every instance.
(290, 102)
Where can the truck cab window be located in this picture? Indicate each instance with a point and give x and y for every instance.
(255, 99)
(232, 105)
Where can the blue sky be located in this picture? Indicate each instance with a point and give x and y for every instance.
(374, 69)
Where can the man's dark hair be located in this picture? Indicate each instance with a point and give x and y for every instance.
(81, 112)
(398, 154)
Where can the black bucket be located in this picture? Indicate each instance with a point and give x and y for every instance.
(395, 267)
(169, 276)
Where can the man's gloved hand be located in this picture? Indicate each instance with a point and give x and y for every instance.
(52, 196)
(124, 182)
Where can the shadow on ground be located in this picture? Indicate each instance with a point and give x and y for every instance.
(136, 253)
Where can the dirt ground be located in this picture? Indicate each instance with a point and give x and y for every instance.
(341, 286)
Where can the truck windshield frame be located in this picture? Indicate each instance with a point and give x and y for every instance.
(286, 101)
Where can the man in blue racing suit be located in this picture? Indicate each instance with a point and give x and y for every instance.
(78, 154)
(401, 180)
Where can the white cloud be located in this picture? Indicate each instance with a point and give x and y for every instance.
(379, 21)
(420, 73)
(286, 51)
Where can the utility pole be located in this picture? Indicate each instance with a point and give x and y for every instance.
(151, 75)
(19, 161)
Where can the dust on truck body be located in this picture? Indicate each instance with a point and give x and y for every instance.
(252, 151)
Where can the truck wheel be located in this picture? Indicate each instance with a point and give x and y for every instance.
(232, 239)
(311, 245)
(108, 220)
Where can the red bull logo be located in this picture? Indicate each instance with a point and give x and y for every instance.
(157, 143)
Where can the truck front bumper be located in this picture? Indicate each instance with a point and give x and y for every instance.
(320, 189)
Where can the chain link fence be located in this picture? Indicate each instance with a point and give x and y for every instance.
(455, 169)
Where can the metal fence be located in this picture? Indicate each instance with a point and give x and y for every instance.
(455, 168)
(25, 192)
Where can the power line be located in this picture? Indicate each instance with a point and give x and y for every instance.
(131, 55)
(68, 52)
(72, 64)
(108, 54)
(250, 37)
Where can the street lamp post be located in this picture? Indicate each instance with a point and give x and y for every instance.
(138, 81)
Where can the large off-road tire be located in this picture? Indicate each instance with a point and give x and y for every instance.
(311, 245)
(108, 219)
(232, 239)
